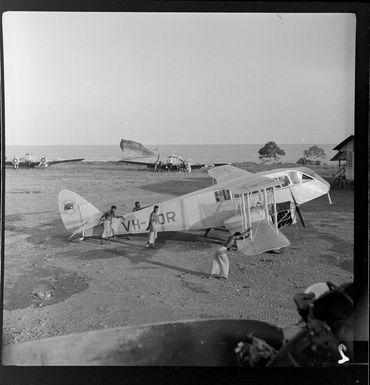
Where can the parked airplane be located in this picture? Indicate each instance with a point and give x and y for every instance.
(31, 161)
(262, 203)
(135, 150)
(136, 153)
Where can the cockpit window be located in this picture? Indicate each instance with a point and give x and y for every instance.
(308, 172)
(306, 177)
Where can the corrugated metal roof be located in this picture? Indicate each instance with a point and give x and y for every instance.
(345, 141)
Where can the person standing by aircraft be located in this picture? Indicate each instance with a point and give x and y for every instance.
(152, 227)
(220, 267)
(107, 218)
(15, 162)
(137, 207)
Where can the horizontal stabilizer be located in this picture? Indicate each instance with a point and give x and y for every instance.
(87, 225)
(264, 238)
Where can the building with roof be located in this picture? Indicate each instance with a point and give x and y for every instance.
(345, 158)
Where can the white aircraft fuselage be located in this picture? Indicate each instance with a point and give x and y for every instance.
(213, 206)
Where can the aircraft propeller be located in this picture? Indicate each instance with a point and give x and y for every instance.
(298, 210)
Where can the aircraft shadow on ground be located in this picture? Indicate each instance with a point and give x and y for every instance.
(136, 255)
(178, 268)
(122, 247)
(139, 253)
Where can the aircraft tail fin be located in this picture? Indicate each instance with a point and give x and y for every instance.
(76, 211)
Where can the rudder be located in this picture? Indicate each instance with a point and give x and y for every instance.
(75, 211)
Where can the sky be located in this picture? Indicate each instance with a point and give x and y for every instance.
(178, 78)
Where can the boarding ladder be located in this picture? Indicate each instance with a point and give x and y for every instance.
(340, 177)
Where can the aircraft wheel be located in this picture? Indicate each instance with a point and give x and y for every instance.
(280, 250)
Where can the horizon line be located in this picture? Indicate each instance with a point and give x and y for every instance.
(175, 144)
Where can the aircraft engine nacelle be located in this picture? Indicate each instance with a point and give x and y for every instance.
(239, 223)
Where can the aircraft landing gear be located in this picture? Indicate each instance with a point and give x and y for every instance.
(206, 233)
(280, 250)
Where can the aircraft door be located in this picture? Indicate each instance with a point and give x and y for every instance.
(208, 209)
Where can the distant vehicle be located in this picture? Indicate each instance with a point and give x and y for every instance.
(32, 161)
(136, 153)
(260, 204)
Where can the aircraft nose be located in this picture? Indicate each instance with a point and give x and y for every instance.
(324, 183)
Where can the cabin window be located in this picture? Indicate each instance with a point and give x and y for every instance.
(284, 180)
(306, 177)
(222, 195)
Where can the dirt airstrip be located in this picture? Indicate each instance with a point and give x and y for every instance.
(54, 286)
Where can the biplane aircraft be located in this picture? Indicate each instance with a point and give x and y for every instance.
(32, 161)
(262, 203)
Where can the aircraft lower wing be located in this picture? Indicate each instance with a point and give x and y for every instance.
(264, 238)
(32, 164)
(137, 162)
(197, 166)
(56, 161)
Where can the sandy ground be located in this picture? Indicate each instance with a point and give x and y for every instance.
(94, 287)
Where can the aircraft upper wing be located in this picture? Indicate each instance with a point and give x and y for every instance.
(240, 181)
(227, 173)
(251, 183)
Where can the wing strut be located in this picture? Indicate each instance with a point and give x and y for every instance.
(267, 214)
(275, 213)
(249, 217)
(245, 211)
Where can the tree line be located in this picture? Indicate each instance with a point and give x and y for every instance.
(272, 152)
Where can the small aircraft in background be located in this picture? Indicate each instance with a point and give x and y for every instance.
(258, 204)
(31, 161)
(135, 153)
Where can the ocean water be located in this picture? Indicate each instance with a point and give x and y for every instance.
(227, 153)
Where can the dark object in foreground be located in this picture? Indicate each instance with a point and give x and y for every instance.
(325, 332)
(183, 343)
(254, 352)
(321, 339)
